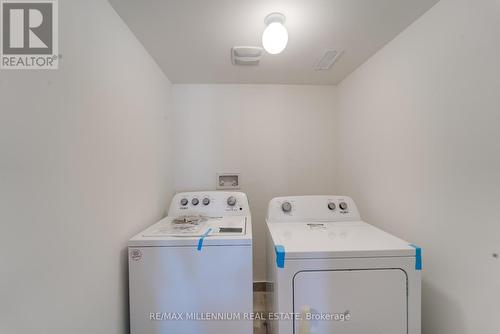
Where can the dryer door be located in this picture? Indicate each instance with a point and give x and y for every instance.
(350, 302)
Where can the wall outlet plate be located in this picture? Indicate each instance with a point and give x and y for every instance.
(228, 181)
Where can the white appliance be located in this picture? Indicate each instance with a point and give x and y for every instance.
(192, 271)
(337, 274)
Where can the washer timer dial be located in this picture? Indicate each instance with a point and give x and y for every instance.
(231, 200)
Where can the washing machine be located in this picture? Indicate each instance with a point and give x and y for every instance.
(330, 272)
(192, 271)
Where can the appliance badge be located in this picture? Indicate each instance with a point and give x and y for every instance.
(135, 254)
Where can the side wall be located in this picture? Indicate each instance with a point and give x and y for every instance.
(84, 165)
(419, 138)
(280, 138)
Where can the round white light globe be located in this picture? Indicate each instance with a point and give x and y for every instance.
(275, 38)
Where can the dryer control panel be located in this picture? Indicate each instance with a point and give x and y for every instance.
(210, 203)
(312, 208)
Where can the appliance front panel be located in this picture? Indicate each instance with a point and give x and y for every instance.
(350, 301)
(182, 280)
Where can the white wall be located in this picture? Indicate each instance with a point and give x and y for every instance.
(280, 138)
(84, 165)
(419, 138)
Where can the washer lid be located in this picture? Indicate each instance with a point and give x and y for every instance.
(313, 240)
(172, 231)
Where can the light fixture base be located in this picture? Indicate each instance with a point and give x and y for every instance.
(274, 17)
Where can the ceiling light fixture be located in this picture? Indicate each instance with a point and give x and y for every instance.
(275, 36)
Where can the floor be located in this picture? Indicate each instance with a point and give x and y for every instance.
(259, 306)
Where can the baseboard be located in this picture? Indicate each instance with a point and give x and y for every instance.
(260, 286)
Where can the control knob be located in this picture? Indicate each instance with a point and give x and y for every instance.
(231, 200)
(286, 207)
(206, 201)
(343, 205)
(184, 202)
(331, 206)
(195, 201)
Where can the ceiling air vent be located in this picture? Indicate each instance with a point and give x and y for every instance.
(329, 58)
(246, 55)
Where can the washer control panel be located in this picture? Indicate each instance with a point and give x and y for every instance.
(211, 203)
(312, 208)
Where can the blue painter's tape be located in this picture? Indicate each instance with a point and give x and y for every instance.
(280, 256)
(418, 257)
(203, 236)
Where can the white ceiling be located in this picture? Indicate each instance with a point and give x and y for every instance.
(191, 39)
